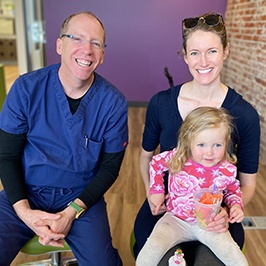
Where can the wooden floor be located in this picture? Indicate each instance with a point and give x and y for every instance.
(127, 194)
(10, 73)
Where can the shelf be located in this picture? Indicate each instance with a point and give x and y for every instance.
(7, 37)
(7, 17)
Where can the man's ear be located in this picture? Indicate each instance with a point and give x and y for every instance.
(101, 61)
(59, 44)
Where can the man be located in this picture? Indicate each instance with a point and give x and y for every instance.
(63, 134)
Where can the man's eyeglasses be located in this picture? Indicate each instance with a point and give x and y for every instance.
(81, 41)
(210, 20)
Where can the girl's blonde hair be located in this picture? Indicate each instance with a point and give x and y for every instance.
(198, 120)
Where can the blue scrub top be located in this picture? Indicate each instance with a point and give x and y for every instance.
(63, 149)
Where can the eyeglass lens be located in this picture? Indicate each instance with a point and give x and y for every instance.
(212, 20)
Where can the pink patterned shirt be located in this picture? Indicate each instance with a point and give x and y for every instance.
(193, 176)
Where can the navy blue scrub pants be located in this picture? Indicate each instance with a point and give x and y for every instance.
(89, 237)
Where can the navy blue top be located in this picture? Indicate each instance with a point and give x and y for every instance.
(163, 121)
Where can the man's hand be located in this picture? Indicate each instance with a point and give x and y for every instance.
(34, 217)
(62, 225)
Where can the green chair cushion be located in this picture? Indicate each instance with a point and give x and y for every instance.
(132, 243)
(33, 247)
(2, 86)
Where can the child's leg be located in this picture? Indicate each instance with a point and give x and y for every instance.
(168, 232)
(223, 246)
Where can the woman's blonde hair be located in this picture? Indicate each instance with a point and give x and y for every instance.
(198, 120)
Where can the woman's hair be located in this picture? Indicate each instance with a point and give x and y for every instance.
(65, 24)
(198, 120)
(218, 29)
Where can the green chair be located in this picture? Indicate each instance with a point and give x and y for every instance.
(2, 86)
(33, 247)
(132, 243)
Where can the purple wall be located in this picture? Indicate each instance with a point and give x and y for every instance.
(143, 37)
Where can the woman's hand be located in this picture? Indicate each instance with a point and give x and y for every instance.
(220, 222)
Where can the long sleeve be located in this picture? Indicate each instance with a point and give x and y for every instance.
(11, 173)
(158, 167)
(233, 193)
(104, 179)
(227, 182)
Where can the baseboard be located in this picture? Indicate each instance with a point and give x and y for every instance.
(254, 222)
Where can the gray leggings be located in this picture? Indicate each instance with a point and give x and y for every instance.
(170, 231)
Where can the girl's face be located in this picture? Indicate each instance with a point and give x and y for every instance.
(205, 56)
(209, 146)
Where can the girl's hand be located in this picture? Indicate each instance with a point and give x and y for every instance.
(156, 202)
(236, 214)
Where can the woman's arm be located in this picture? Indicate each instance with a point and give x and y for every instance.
(145, 158)
(248, 186)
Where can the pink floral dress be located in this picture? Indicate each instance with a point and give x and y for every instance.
(193, 176)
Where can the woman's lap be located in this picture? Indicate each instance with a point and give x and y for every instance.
(196, 254)
(143, 226)
(199, 254)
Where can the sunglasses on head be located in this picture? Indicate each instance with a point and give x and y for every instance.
(210, 20)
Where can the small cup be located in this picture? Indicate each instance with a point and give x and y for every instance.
(205, 212)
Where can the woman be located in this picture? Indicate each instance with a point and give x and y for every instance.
(205, 47)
